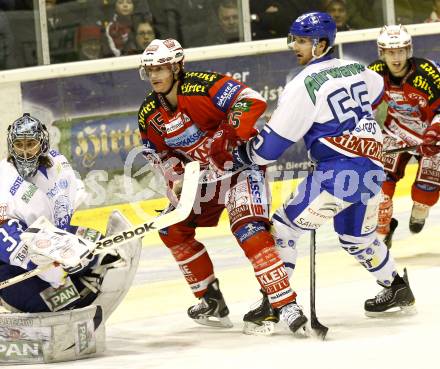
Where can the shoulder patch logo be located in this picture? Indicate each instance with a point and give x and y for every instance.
(226, 95)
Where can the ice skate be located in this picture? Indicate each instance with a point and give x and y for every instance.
(294, 317)
(211, 310)
(398, 298)
(261, 320)
(419, 213)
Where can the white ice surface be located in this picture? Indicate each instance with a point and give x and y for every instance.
(150, 328)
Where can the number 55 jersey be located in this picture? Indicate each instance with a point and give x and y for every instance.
(329, 104)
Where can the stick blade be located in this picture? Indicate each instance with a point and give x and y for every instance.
(319, 329)
(187, 197)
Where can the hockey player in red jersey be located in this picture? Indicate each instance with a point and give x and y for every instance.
(412, 93)
(177, 121)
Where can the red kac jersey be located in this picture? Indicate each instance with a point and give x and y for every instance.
(412, 104)
(204, 101)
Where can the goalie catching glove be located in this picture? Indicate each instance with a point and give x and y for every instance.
(431, 138)
(48, 245)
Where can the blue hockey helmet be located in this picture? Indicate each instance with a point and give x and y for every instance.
(315, 25)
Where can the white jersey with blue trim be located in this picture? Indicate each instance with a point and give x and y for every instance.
(329, 104)
(52, 192)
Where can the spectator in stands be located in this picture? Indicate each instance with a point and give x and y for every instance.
(169, 18)
(338, 10)
(89, 42)
(228, 18)
(272, 18)
(365, 14)
(53, 17)
(196, 21)
(404, 11)
(61, 25)
(421, 9)
(8, 58)
(87, 12)
(435, 15)
(144, 34)
(119, 30)
(369, 14)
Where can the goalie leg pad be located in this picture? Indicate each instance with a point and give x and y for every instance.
(31, 338)
(112, 280)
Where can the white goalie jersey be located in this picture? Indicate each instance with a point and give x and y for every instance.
(54, 192)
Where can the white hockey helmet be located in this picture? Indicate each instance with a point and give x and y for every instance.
(161, 52)
(394, 37)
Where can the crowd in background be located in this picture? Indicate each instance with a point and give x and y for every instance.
(93, 29)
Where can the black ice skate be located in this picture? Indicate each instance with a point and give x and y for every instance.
(212, 309)
(388, 240)
(419, 213)
(398, 298)
(294, 317)
(262, 319)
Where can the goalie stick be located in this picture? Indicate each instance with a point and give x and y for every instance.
(181, 212)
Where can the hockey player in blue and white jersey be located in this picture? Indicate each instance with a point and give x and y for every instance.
(69, 300)
(37, 181)
(330, 105)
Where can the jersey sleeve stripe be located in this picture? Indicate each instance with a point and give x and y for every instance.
(268, 146)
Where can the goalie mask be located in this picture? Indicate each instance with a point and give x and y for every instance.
(28, 140)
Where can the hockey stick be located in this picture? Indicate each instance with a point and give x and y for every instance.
(181, 212)
(405, 149)
(400, 149)
(210, 175)
(320, 329)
